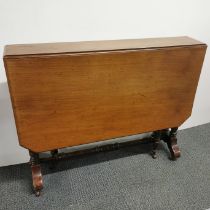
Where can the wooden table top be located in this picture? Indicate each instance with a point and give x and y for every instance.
(97, 46)
(67, 94)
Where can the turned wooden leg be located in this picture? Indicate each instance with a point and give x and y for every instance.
(156, 140)
(36, 173)
(53, 162)
(172, 144)
(165, 134)
(54, 153)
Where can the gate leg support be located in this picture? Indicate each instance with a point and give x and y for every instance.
(53, 162)
(156, 140)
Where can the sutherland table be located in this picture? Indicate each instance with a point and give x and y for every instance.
(67, 94)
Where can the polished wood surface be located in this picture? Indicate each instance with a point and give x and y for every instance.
(97, 46)
(63, 99)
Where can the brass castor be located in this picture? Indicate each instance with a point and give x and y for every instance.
(37, 193)
(154, 155)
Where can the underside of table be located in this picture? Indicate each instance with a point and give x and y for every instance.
(169, 136)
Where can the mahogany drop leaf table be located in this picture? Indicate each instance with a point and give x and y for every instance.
(68, 94)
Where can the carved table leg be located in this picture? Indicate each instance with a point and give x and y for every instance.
(172, 144)
(165, 135)
(54, 154)
(156, 140)
(36, 173)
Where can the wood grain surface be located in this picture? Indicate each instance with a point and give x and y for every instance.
(67, 99)
(97, 46)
